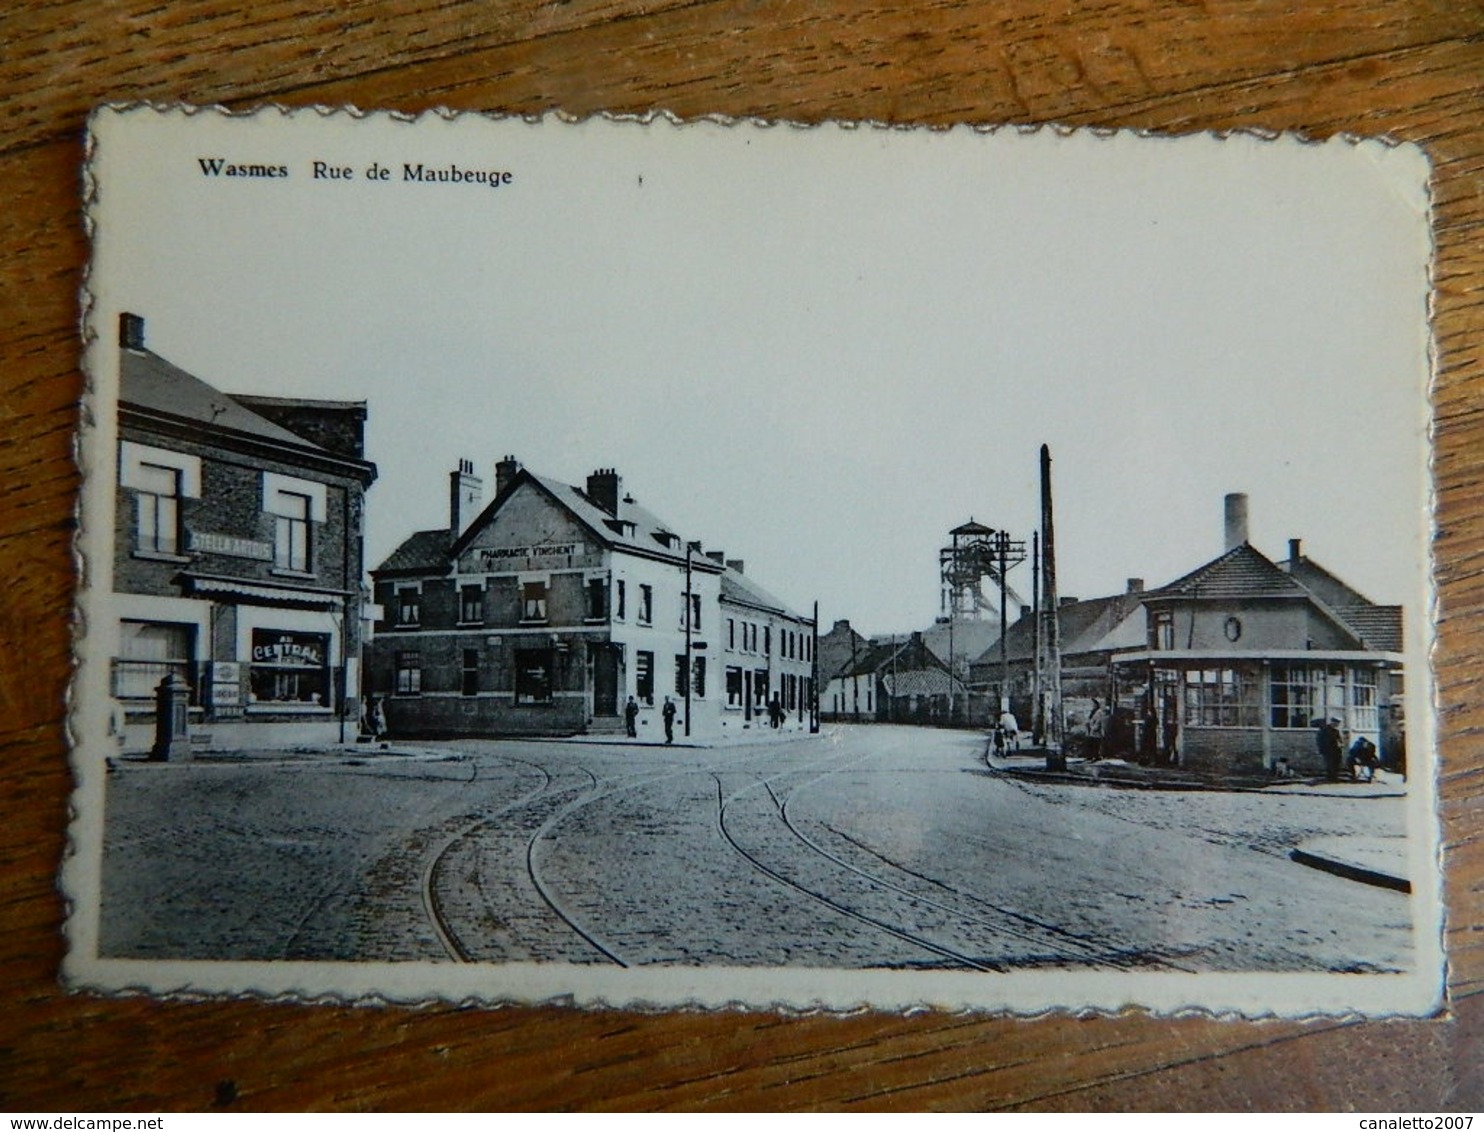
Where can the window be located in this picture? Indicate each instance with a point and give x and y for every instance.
(148, 652)
(161, 479)
(157, 510)
(469, 682)
(1162, 630)
(533, 676)
(760, 687)
(1221, 697)
(471, 605)
(1300, 694)
(290, 668)
(533, 600)
(644, 677)
(291, 533)
(294, 504)
(682, 674)
(597, 599)
(731, 632)
(767, 640)
(734, 687)
(698, 677)
(409, 604)
(646, 604)
(694, 605)
(619, 600)
(409, 679)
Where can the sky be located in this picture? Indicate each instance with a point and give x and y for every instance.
(819, 350)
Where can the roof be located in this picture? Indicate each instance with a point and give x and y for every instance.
(922, 682)
(1082, 626)
(971, 636)
(148, 381)
(737, 587)
(421, 552)
(1242, 572)
(1379, 626)
(896, 655)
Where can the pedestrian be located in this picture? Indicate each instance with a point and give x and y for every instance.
(1329, 744)
(631, 718)
(1009, 738)
(775, 712)
(668, 714)
(1097, 723)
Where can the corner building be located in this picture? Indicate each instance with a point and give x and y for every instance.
(237, 557)
(546, 612)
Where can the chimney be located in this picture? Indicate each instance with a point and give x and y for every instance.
(465, 490)
(1135, 585)
(842, 623)
(717, 556)
(1236, 520)
(1295, 551)
(131, 331)
(602, 489)
(735, 564)
(1025, 611)
(505, 472)
(1066, 601)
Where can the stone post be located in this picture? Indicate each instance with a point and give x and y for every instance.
(172, 721)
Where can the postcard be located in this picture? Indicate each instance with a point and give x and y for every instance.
(659, 564)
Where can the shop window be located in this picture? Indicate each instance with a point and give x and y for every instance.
(533, 676)
(734, 687)
(644, 677)
(290, 668)
(759, 687)
(471, 605)
(533, 601)
(148, 652)
(409, 674)
(1221, 697)
(646, 604)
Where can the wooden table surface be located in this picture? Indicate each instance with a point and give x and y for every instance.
(1412, 69)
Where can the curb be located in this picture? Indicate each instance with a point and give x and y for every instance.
(1350, 872)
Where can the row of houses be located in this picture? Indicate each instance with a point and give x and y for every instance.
(238, 564)
(1227, 668)
(559, 608)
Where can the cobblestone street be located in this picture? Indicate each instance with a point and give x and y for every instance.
(861, 847)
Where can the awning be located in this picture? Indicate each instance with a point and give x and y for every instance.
(257, 593)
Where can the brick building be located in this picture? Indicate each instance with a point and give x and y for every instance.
(545, 612)
(237, 557)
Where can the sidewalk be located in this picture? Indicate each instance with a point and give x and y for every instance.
(1031, 764)
(1381, 861)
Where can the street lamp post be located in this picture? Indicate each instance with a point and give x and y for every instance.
(690, 618)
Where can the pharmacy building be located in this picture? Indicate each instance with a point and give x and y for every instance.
(560, 609)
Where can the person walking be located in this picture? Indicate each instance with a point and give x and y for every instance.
(668, 714)
(631, 718)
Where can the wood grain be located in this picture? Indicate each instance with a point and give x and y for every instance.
(1413, 70)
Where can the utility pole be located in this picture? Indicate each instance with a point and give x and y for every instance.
(1055, 756)
(690, 610)
(814, 674)
(1038, 715)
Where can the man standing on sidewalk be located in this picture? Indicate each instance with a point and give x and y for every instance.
(1330, 744)
(668, 712)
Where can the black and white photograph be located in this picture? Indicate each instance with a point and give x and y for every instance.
(726, 563)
